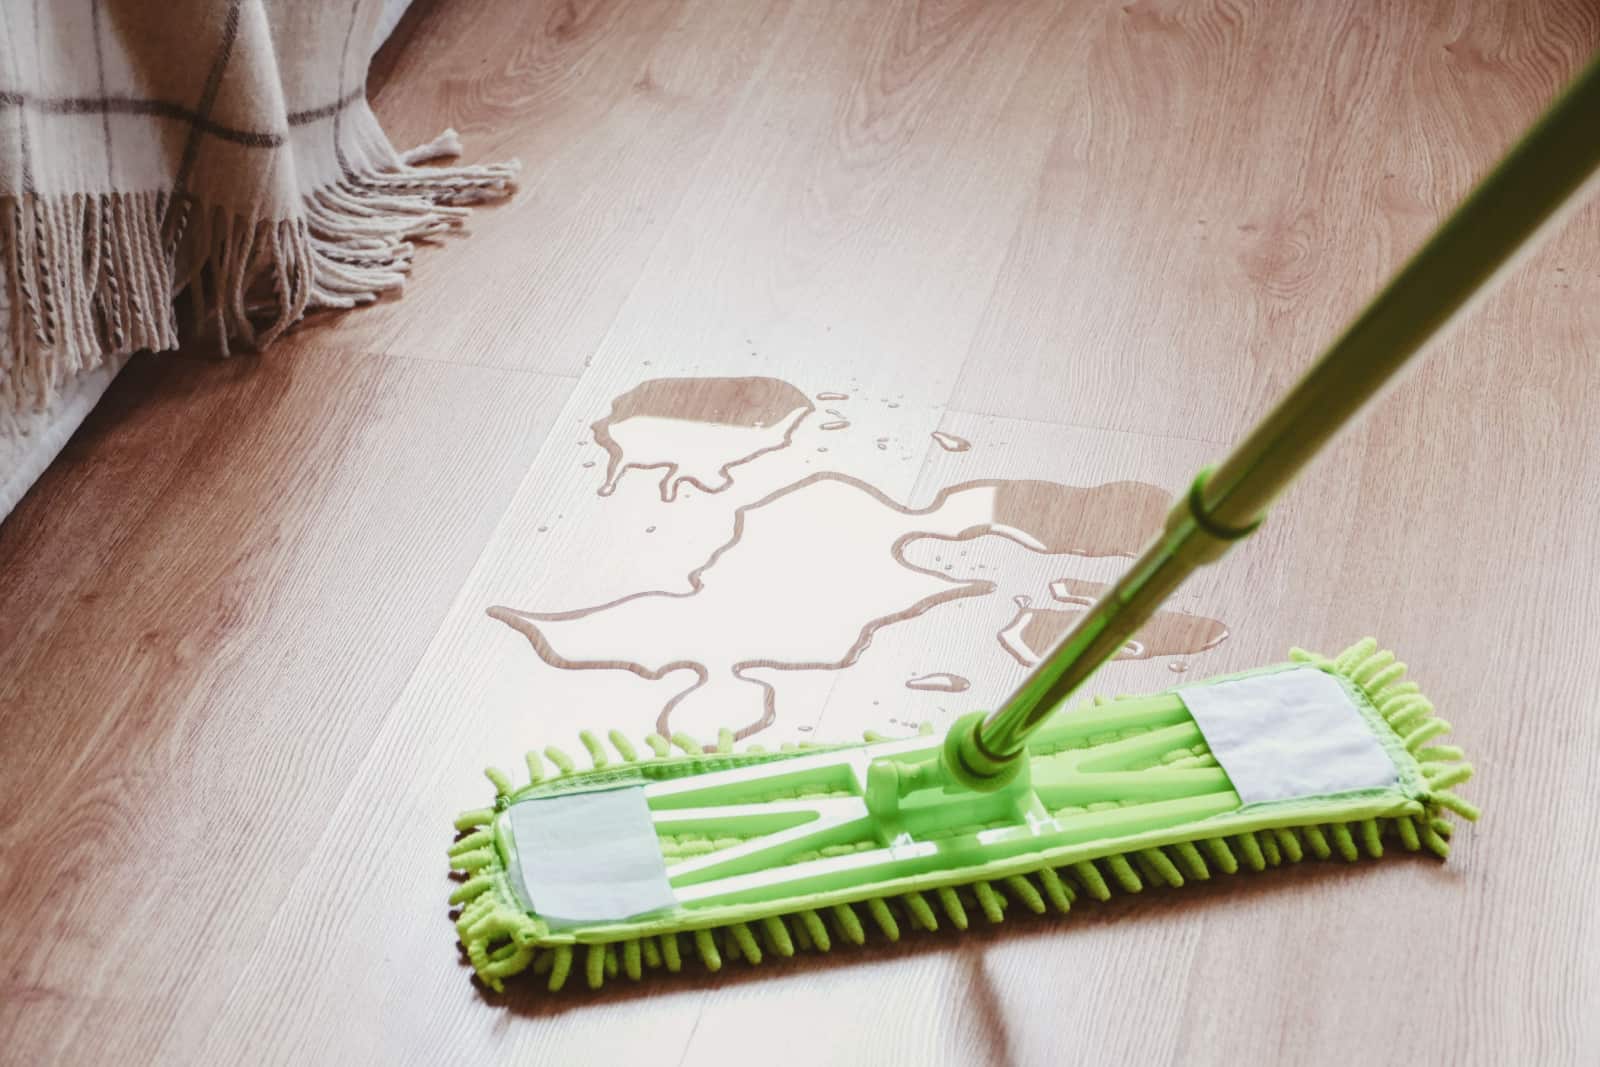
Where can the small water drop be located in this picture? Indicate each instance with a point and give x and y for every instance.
(649, 529)
(544, 529)
(940, 683)
(589, 464)
(1177, 668)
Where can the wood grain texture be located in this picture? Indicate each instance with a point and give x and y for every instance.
(183, 699)
(246, 671)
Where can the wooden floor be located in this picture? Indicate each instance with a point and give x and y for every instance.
(248, 674)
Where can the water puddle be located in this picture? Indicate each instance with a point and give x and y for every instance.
(695, 430)
(1034, 631)
(810, 572)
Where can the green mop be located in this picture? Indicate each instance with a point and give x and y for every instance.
(650, 856)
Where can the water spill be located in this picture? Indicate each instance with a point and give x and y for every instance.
(696, 430)
(1033, 632)
(940, 683)
(950, 442)
(814, 569)
(809, 574)
(833, 396)
(1115, 519)
(836, 424)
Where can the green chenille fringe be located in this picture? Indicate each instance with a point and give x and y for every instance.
(502, 939)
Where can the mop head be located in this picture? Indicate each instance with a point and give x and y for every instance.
(648, 858)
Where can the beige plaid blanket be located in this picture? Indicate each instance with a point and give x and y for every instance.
(213, 153)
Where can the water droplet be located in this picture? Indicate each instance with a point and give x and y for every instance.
(589, 464)
(544, 529)
(1178, 667)
(649, 529)
(804, 729)
(941, 682)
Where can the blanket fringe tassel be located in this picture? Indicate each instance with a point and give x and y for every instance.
(85, 279)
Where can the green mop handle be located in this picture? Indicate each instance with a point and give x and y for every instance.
(1471, 251)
